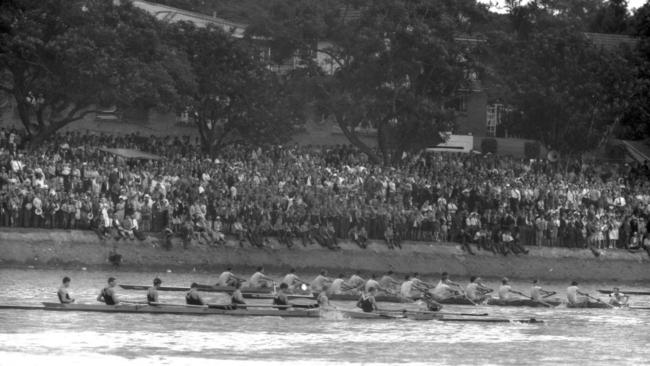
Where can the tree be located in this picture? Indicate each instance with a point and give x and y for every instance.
(63, 60)
(564, 91)
(394, 66)
(236, 98)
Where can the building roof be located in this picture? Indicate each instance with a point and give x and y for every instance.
(170, 14)
(611, 42)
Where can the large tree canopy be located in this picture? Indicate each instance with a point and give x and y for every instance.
(62, 60)
(393, 67)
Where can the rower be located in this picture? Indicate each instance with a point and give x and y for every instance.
(355, 282)
(281, 297)
(292, 280)
(237, 298)
(367, 301)
(505, 289)
(618, 298)
(226, 278)
(193, 297)
(321, 281)
(337, 285)
(572, 293)
(64, 296)
(258, 279)
(152, 293)
(372, 282)
(387, 281)
(443, 289)
(537, 292)
(418, 284)
(476, 291)
(406, 287)
(107, 295)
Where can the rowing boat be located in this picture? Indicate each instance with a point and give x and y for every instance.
(492, 320)
(374, 315)
(378, 298)
(590, 305)
(247, 293)
(630, 292)
(524, 302)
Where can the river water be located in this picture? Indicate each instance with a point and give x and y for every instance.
(568, 336)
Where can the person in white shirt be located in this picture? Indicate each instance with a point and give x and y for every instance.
(617, 298)
(572, 293)
(372, 283)
(355, 282)
(226, 278)
(320, 281)
(259, 279)
(476, 290)
(336, 287)
(537, 292)
(292, 280)
(406, 288)
(388, 282)
(445, 288)
(504, 290)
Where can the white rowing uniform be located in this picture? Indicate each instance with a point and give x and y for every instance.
(535, 292)
(371, 283)
(336, 286)
(406, 288)
(290, 279)
(386, 281)
(223, 278)
(504, 292)
(470, 291)
(355, 281)
(257, 280)
(318, 283)
(441, 291)
(572, 294)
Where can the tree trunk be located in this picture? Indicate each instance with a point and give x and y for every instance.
(354, 140)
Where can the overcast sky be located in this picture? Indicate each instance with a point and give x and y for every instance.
(633, 4)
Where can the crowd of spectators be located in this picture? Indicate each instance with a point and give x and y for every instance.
(303, 195)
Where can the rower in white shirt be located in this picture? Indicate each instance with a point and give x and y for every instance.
(337, 284)
(387, 281)
(292, 280)
(227, 278)
(476, 290)
(445, 288)
(537, 292)
(260, 280)
(406, 288)
(617, 298)
(504, 290)
(320, 281)
(573, 292)
(372, 283)
(355, 282)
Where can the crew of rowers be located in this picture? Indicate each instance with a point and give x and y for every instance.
(411, 288)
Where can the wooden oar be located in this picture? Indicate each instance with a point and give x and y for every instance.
(177, 305)
(530, 298)
(133, 302)
(549, 294)
(598, 300)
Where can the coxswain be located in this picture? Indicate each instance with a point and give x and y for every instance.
(292, 280)
(504, 290)
(107, 295)
(572, 293)
(226, 278)
(258, 279)
(337, 285)
(537, 293)
(237, 298)
(618, 298)
(388, 282)
(152, 293)
(476, 290)
(320, 281)
(281, 299)
(193, 297)
(64, 296)
(367, 301)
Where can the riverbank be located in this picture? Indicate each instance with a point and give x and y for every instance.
(76, 249)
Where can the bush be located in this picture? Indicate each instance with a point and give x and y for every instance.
(531, 150)
(489, 146)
